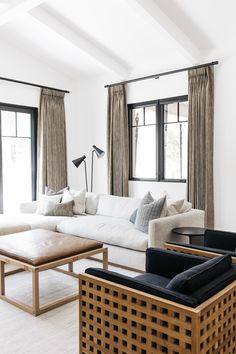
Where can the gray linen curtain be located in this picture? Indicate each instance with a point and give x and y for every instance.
(117, 141)
(52, 166)
(200, 191)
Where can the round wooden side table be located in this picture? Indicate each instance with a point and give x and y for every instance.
(195, 234)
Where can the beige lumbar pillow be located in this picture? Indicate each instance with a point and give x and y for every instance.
(60, 209)
(78, 197)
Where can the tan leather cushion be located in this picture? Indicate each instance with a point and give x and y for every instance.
(40, 246)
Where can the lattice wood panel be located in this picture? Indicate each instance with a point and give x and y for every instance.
(119, 320)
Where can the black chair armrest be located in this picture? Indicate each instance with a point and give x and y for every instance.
(203, 248)
(170, 263)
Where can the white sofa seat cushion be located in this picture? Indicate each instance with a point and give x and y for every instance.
(11, 225)
(38, 221)
(119, 207)
(114, 231)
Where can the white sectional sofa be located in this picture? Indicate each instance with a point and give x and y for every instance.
(111, 225)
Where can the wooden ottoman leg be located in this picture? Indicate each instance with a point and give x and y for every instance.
(70, 267)
(2, 278)
(35, 292)
(105, 258)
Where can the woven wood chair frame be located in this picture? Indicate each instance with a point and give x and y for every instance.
(120, 320)
(194, 251)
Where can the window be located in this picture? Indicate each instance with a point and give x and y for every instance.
(17, 156)
(158, 132)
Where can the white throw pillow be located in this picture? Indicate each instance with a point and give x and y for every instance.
(45, 200)
(118, 207)
(91, 203)
(79, 200)
(178, 207)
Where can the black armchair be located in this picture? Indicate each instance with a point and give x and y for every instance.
(181, 304)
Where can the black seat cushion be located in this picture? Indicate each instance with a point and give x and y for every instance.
(141, 286)
(153, 279)
(220, 239)
(196, 277)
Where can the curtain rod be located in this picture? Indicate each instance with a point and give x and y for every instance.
(31, 84)
(156, 76)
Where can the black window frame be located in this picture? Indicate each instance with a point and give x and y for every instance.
(159, 137)
(33, 111)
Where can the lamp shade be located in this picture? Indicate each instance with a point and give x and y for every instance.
(78, 161)
(100, 153)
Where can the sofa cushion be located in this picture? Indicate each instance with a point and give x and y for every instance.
(113, 231)
(147, 199)
(120, 207)
(37, 221)
(11, 225)
(200, 275)
(148, 212)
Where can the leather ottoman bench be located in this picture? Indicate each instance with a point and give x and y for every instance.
(39, 250)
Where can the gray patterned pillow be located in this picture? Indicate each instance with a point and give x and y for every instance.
(60, 209)
(146, 200)
(148, 212)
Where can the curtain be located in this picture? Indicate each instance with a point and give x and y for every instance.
(200, 190)
(117, 141)
(52, 166)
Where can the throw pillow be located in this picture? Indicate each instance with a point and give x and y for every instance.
(178, 207)
(147, 199)
(49, 191)
(196, 277)
(44, 200)
(91, 203)
(148, 212)
(79, 200)
(174, 207)
(60, 209)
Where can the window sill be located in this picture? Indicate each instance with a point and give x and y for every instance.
(156, 180)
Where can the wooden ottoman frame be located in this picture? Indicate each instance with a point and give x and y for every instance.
(35, 309)
(120, 320)
(194, 251)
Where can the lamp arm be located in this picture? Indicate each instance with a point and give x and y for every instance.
(91, 187)
(86, 177)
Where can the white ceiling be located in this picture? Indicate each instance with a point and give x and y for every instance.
(122, 37)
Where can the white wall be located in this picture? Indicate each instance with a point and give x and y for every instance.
(15, 64)
(90, 130)
(225, 143)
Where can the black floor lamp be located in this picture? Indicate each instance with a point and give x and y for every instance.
(100, 153)
(77, 163)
